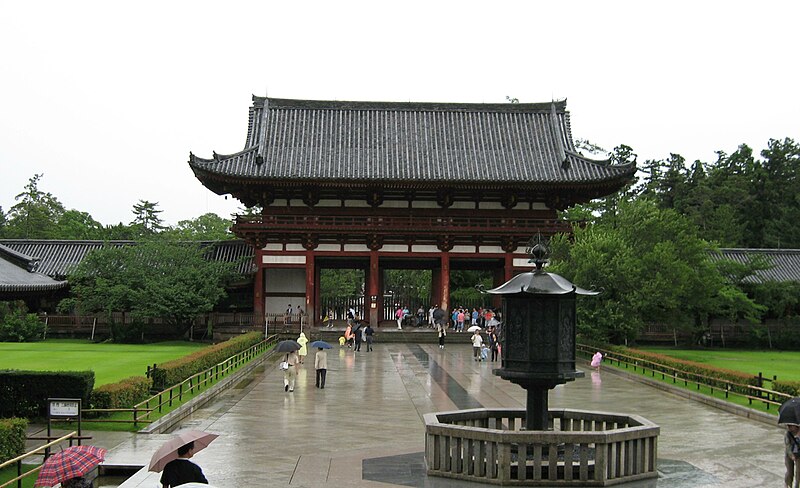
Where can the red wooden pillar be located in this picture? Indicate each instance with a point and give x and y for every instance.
(374, 298)
(436, 286)
(317, 298)
(311, 288)
(445, 281)
(258, 288)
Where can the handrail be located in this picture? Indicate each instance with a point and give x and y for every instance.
(18, 460)
(197, 380)
(767, 396)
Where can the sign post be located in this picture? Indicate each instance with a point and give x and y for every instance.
(63, 409)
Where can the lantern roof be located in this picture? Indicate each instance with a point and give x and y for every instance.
(539, 283)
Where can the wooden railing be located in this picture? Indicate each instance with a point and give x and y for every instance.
(752, 393)
(39, 451)
(580, 448)
(388, 223)
(141, 412)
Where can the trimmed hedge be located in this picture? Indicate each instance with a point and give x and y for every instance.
(12, 438)
(175, 371)
(25, 393)
(122, 394)
(788, 387)
(711, 373)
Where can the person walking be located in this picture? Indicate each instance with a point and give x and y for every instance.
(477, 342)
(303, 351)
(493, 343)
(321, 367)
(368, 333)
(357, 336)
(442, 335)
(330, 318)
(398, 314)
(290, 373)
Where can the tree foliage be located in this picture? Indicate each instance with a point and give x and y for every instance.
(35, 214)
(152, 279)
(652, 267)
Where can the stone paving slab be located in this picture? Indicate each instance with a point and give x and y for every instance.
(365, 428)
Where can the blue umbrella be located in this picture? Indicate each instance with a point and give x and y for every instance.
(321, 344)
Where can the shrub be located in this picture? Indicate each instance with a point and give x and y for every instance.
(16, 325)
(788, 387)
(12, 438)
(177, 370)
(122, 394)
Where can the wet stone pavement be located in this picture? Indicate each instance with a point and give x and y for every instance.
(365, 428)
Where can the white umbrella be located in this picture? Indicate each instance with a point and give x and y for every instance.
(169, 451)
(474, 328)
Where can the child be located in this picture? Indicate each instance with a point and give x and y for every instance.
(597, 359)
(485, 353)
(321, 366)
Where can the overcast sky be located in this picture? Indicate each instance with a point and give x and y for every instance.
(107, 98)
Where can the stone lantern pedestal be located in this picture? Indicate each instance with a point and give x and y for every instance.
(540, 446)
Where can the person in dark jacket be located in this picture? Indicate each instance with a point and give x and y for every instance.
(181, 470)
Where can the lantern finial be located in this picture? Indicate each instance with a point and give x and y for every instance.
(538, 251)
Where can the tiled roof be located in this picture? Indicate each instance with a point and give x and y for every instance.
(521, 144)
(58, 258)
(18, 273)
(785, 263)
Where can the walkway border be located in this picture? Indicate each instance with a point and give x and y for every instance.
(169, 420)
(740, 410)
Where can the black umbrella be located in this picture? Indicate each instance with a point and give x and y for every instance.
(288, 346)
(789, 412)
(438, 315)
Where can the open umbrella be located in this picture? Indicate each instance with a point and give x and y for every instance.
(789, 412)
(474, 328)
(321, 344)
(169, 451)
(70, 463)
(288, 346)
(438, 315)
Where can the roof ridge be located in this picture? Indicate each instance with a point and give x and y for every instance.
(298, 104)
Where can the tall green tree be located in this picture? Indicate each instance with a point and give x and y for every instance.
(146, 218)
(76, 225)
(36, 213)
(207, 227)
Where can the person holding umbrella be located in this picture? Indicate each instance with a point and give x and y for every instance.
(181, 470)
(173, 458)
(789, 417)
(70, 466)
(289, 363)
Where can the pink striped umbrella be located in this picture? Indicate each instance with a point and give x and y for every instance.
(70, 463)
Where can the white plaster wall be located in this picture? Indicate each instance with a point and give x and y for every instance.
(284, 280)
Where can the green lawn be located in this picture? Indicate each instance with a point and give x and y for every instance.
(782, 364)
(110, 362)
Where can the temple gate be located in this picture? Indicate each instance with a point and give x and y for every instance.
(373, 185)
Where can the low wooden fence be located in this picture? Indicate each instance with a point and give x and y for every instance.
(770, 399)
(141, 412)
(581, 448)
(39, 451)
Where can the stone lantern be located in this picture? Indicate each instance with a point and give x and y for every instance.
(538, 333)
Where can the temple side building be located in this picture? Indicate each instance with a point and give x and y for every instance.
(381, 185)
